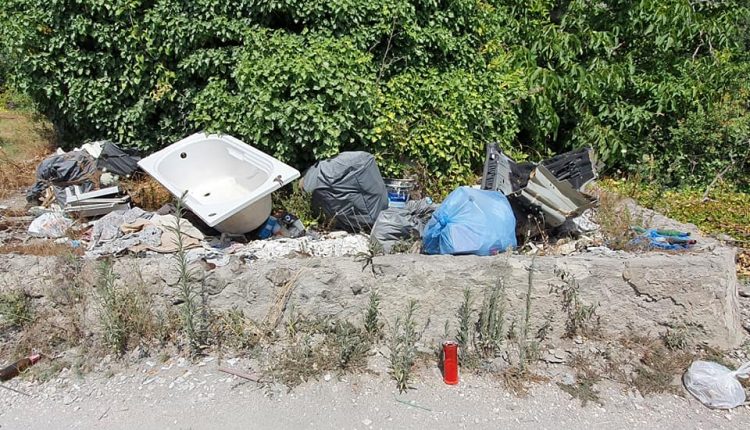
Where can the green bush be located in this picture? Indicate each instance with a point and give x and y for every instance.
(298, 97)
(423, 84)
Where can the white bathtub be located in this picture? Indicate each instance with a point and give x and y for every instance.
(228, 182)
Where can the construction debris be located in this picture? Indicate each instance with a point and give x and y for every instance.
(94, 203)
(550, 191)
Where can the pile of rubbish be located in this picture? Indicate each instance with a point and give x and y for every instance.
(514, 200)
(72, 181)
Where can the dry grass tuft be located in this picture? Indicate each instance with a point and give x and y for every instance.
(40, 249)
(615, 220)
(519, 381)
(587, 376)
(316, 346)
(146, 192)
(24, 142)
(658, 368)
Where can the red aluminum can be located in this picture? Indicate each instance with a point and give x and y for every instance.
(450, 362)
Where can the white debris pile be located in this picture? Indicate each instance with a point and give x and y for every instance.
(336, 244)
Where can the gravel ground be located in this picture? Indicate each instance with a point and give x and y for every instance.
(181, 395)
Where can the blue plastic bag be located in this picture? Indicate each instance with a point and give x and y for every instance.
(471, 221)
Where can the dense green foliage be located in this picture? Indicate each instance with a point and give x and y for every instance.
(652, 85)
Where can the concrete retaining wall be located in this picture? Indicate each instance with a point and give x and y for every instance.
(646, 292)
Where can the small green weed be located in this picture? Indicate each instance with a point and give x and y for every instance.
(676, 339)
(317, 346)
(403, 347)
(581, 319)
(372, 323)
(234, 330)
(367, 258)
(125, 313)
(491, 321)
(15, 309)
(583, 390)
(298, 203)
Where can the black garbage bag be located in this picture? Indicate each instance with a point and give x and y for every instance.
(347, 188)
(61, 171)
(117, 161)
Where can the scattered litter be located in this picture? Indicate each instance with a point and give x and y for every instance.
(471, 221)
(112, 159)
(715, 385)
(669, 240)
(51, 225)
(270, 228)
(581, 224)
(60, 171)
(108, 227)
(35, 211)
(94, 203)
(239, 374)
(291, 226)
(331, 245)
(347, 188)
(18, 367)
(212, 256)
(108, 180)
(550, 190)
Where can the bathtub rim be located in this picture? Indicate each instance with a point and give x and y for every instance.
(281, 174)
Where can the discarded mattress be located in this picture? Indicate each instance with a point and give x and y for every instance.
(471, 221)
(347, 188)
(225, 182)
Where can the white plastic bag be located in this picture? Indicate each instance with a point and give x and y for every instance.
(715, 385)
(50, 224)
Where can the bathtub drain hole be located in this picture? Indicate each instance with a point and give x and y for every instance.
(207, 194)
(212, 214)
(183, 155)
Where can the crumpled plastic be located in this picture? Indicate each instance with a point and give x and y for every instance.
(50, 224)
(664, 239)
(61, 171)
(715, 385)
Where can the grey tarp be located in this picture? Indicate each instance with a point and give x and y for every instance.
(347, 188)
(396, 224)
(62, 171)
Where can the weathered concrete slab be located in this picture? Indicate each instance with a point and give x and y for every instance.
(646, 293)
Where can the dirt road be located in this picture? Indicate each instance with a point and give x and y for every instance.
(179, 395)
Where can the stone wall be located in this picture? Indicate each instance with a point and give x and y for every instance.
(645, 293)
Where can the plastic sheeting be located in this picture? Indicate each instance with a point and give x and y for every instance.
(347, 188)
(117, 161)
(61, 171)
(471, 221)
